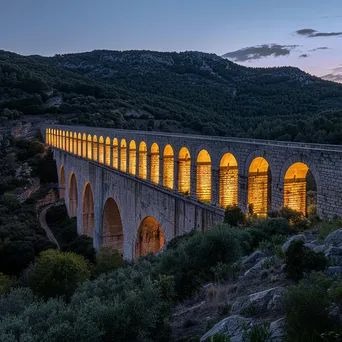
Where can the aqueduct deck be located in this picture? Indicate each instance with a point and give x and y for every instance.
(134, 190)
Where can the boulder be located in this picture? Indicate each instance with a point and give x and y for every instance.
(252, 259)
(292, 238)
(277, 330)
(310, 245)
(231, 326)
(334, 238)
(334, 254)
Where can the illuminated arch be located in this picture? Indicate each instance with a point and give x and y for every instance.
(123, 155)
(112, 226)
(90, 148)
(61, 182)
(75, 143)
(54, 138)
(47, 135)
(155, 163)
(132, 158)
(71, 143)
(184, 171)
(88, 222)
(169, 165)
(228, 180)
(259, 187)
(67, 141)
(95, 149)
(143, 160)
(84, 145)
(203, 177)
(63, 140)
(73, 196)
(108, 151)
(58, 139)
(101, 150)
(150, 237)
(296, 187)
(79, 144)
(115, 153)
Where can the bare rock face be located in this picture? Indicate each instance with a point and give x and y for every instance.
(286, 245)
(252, 259)
(334, 238)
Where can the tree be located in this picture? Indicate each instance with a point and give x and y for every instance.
(58, 273)
(107, 260)
(233, 215)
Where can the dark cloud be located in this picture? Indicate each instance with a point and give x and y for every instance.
(259, 51)
(304, 55)
(310, 33)
(320, 48)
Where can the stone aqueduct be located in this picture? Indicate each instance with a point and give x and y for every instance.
(134, 190)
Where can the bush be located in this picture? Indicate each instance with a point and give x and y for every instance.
(5, 283)
(233, 215)
(56, 273)
(274, 226)
(307, 309)
(108, 259)
(82, 245)
(300, 259)
(257, 333)
(297, 220)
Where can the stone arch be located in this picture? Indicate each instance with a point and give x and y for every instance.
(71, 143)
(89, 147)
(123, 155)
(75, 143)
(63, 141)
(112, 234)
(79, 144)
(132, 158)
(154, 167)
(168, 167)
(143, 160)
(54, 138)
(47, 135)
(95, 149)
(61, 182)
(101, 150)
(259, 187)
(203, 176)
(150, 237)
(229, 181)
(58, 138)
(184, 171)
(88, 222)
(73, 195)
(108, 151)
(115, 153)
(67, 141)
(300, 189)
(84, 145)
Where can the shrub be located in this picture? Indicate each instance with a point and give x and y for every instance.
(108, 259)
(56, 273)
(296, 218)
(82, 245)
(300, 259)
(218, 338)
(257, 333)
(5, 283)
(274, 226)
(307, 309)
(233, 215)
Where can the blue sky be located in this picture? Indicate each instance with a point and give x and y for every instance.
(48, 27)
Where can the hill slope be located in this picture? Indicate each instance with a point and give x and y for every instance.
(187, 92)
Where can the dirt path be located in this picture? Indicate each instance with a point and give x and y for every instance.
(42, 220)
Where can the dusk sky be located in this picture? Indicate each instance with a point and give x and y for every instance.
(302, 33)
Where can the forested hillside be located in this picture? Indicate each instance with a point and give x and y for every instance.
(189, 92)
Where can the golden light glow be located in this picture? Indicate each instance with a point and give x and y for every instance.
(84, 145)
(184, 171)
(63, 140)
(295, 187)
(150, 237)
(108, 151)
(75, 143)
(168, 172)
(203, 177)
(95, 157)
(259, 186)
(155, 163)
(47, 133)
(143, 160)
(88, 211)
(54, 138)
(67, 141)
(123, 155)
(101, 149)
(132, 158)
(71, 143)
(79, 142)
(73, 196)
(89, 149)
(57, 142)
(228, 181)
(112, 226)
(115, 153)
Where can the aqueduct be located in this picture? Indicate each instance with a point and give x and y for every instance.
(135, 190)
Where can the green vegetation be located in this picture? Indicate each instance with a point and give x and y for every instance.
(233, 215)
(172, 92)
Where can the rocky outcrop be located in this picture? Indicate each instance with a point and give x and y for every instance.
(334, 238)
(286, 245)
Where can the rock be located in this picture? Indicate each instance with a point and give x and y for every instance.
(252, 259)
(292, 238)
(267, 300)
(333, 271)
(310, 245)
(334, 238)
(277, 330)
(335, 255)
(231, 326)
(320, 248)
